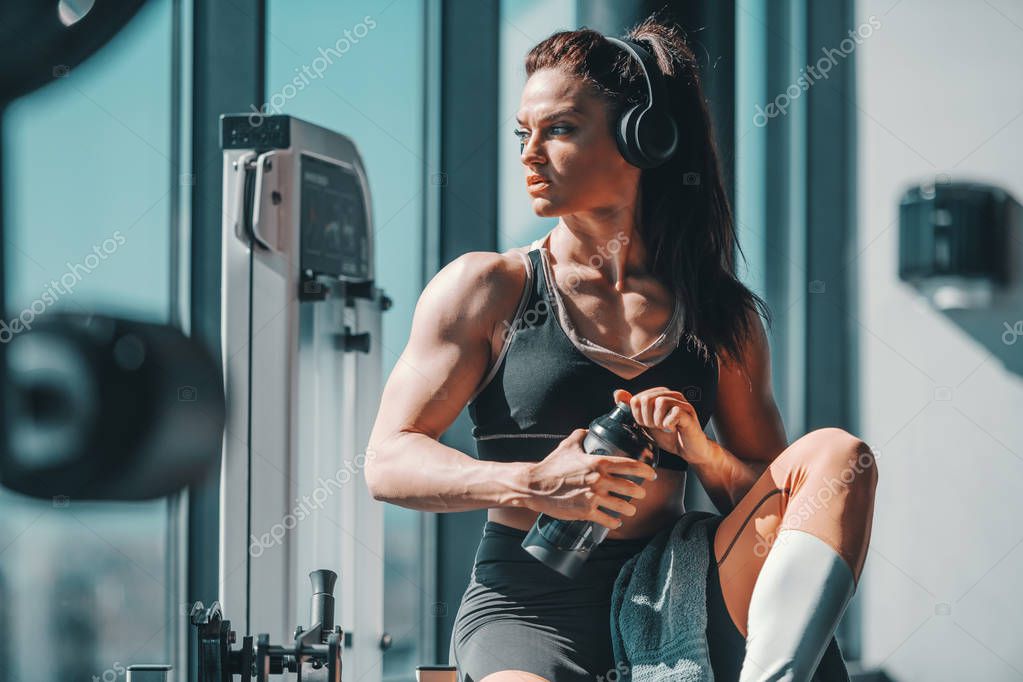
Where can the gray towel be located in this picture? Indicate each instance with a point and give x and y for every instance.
(659, 611)
(659, 606)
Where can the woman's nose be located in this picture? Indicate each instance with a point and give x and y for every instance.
(531, 151)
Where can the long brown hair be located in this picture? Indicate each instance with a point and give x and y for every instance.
(686, 221)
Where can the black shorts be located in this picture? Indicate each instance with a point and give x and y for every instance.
(518, 614)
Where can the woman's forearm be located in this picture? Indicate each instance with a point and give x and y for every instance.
(725, 477)
(416, 471)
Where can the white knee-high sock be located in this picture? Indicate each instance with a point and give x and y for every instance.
(798, 600)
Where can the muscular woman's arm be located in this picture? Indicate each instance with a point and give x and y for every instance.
(747, 423)
(418, 472)
(446, 357)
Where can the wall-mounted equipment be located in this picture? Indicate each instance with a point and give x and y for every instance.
(955, 242)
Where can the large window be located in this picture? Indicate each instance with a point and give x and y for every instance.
(790, 167)
(357, 68)
(89, 191)
(770, 181)
(524, 23)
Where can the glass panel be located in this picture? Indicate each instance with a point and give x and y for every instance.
(86, 588)
(770, 182)
(751, 140)
(358, 68)
(524, 23)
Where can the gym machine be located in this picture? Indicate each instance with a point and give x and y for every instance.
(301, 324)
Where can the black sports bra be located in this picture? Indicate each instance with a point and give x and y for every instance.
(543, 386)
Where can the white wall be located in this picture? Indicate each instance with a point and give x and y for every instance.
(939, 92)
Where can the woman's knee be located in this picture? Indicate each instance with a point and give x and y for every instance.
(839, 455)
(513, 676)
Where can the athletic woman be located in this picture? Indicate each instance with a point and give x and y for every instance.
(631, 296)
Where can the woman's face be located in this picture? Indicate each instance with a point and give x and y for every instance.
(567, 141)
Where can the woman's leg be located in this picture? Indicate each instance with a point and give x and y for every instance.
(514, 676)
(821, 485)
(520, 621)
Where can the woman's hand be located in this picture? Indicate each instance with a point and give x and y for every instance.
(671, 420)
(572, 484)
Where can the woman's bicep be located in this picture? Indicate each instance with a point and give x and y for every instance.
(447, 352)
(746, 417)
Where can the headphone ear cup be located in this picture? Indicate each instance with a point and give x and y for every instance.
(656, 136)
(627, 138)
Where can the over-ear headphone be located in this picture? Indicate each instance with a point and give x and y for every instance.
(647, 134)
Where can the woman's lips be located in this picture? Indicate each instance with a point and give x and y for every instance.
(536, 183)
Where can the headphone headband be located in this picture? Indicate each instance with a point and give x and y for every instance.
(651, 72)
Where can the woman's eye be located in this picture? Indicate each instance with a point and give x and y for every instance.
(523, 135)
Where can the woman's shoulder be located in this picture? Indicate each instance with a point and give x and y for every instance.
(496, 274)
(493, 280)
(501, 268)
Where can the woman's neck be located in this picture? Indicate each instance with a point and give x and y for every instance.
(614, 249)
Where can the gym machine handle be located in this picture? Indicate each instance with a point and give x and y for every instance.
(251, 216)
(265, 226)
(314, 656)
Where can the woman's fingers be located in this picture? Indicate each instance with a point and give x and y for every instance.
(670, 413)
(623, 486)
(605, 519)
(650, 407)
(664, 406)
(622, 395)
(616, 504)
(625, 466)
(648, 401)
